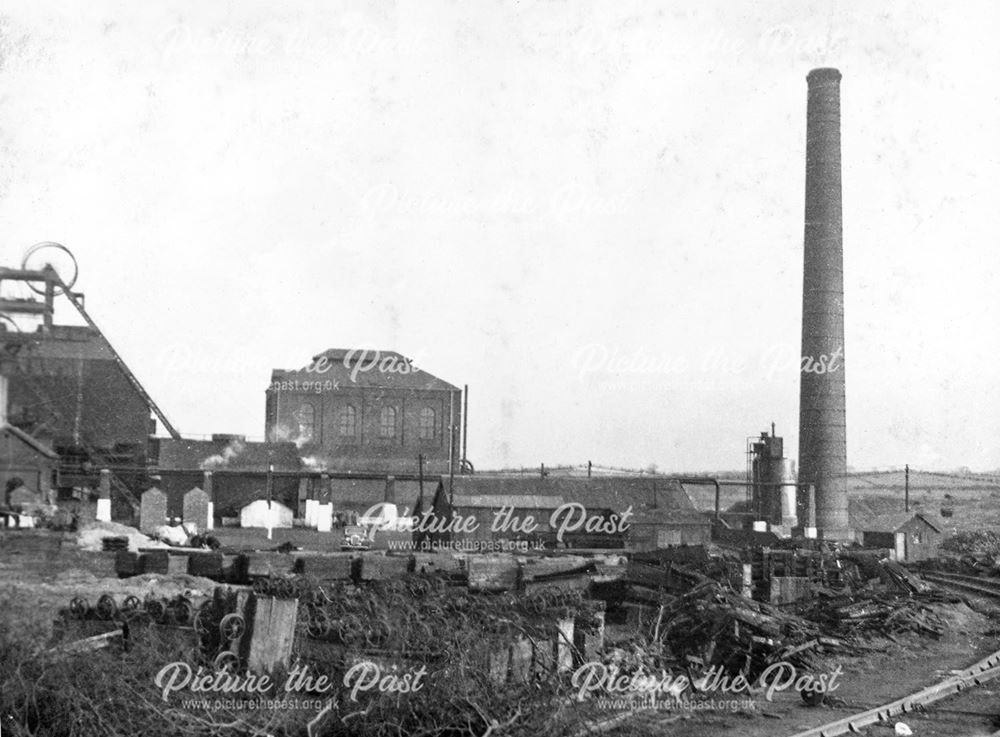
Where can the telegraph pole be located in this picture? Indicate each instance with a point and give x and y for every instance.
(906, 502)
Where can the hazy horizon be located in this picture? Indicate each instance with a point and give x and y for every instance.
(591, 213)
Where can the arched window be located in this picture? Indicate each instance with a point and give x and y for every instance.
(348, 422)
(306, 417)
(427, 423)
(387, 423)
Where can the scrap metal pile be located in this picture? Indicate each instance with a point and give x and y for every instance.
(693, 615)
(491, 659)
(422, 616)
(711, 626)
(891, 604)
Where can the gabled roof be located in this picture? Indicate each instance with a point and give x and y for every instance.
(884, 514)
(356, 367)
(30, 441)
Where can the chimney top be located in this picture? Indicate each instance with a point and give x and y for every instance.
(823, 74)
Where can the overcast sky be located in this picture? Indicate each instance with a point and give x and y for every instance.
(589, 212)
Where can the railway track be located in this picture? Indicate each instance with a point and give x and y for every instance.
(961, 685)
(975, 584)
(977, 674)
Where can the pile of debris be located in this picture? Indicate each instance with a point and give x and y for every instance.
(894, 603)
(703, 610)
(711, 626)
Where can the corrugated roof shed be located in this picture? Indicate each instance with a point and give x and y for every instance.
(892, 521)
(875, 513)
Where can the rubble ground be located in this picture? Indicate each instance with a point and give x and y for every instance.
(909, 662)
(32, 602)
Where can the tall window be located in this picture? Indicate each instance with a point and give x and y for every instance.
(348, 422)
(306, 417)
(387, 423)
(427, 423)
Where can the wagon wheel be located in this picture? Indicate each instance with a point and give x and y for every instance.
(106, 607)
(180, 611)
(350, 630)
(155, 609)
(417, 587)
(226, 660)
(78, 607)
(204, 619)
(131, 604)
(536, 604)
(232, 627)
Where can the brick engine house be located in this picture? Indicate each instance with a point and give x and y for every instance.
(367, 410)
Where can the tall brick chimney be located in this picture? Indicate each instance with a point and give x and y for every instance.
(822, 410)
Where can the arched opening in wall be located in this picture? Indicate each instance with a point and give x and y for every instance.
(428, 423)
(306, 417)
(387, 423)
(348, 422)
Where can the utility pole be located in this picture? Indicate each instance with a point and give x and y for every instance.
(906, 503)
(269, 485)
(420, 476)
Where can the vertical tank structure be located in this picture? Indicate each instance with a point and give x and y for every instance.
(822, 410)
(772, 481)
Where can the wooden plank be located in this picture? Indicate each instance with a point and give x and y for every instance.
(493, 573)
(155, 561)
(575, 583)
(588, 637)
(208, 565)
(272, 634)
(127, 564)
(786, 589)
(85, 645)
(383, 567)
(177, 564)
(436, 563)
(520, 660)
(268, 564)
(499, 665)
(325, 567)
(564, 645)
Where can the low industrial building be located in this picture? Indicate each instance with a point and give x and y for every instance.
(609, 511)
(26, 467)
(912, 536)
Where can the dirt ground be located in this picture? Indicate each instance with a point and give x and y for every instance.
(905, 666)
(36, 584)
(34, 587)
